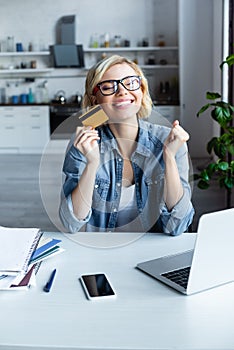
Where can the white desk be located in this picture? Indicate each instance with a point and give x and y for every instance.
(145, 315)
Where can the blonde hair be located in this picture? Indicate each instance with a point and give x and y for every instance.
(96, 73)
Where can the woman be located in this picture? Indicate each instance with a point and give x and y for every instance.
(127, 175)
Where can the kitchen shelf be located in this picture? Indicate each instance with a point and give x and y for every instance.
(24, 53)
(150, 66)
(130, 49)
(25, 71)
(138, 49)
(159, 66)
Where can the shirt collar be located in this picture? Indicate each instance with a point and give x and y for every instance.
(108, 140)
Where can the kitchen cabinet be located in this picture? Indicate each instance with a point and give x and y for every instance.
(24, 129)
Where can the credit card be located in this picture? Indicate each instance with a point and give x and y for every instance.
(94, 117)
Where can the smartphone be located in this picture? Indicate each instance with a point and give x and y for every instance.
(97, 286)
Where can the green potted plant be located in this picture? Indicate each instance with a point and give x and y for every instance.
(221, 166)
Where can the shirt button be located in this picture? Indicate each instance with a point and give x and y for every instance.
(118, 184)
(115, 210)
(96, 186)
(120, 160)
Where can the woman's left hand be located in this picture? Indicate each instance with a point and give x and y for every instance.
(177, 137)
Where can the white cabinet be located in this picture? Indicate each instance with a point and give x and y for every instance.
(24, 129)
(10, 137)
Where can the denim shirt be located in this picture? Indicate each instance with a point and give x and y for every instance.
(148, 168)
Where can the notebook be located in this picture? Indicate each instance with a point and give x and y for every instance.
(21, 254)
(208, 265)
(16, 248)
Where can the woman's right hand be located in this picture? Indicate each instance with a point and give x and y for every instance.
(86, 142)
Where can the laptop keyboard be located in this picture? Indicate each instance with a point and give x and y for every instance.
(179, 276)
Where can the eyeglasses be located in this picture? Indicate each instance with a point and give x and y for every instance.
(110, 87)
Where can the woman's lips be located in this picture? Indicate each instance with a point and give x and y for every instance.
(123, 103)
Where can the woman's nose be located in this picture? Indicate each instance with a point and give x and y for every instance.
(121, 89)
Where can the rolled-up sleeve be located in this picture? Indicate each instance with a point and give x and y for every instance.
(67, 216)
(177, 220)
(73, 167)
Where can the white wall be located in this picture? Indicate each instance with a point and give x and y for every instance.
(199, 67)
(35, 21)
(30, 20)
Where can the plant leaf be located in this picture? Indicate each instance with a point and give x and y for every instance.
(211, 168)
(220, 150)
(228, 182)
(214, 114)
(231, 107)
(205, 175)
(203, 185)
(211, 144)
(223, 166)
(232, 165)
(196, 177)
(212, 95)
(226, 138)
(203, 109)
(229, 60)
(222, 115)
(231, 149)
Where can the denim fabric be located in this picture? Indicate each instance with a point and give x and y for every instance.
(148, 166)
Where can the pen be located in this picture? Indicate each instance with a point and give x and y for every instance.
(50, 282)
(3, 276)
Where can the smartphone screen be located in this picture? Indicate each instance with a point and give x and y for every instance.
(97, 285)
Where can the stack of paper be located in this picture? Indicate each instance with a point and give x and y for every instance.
(21, 252)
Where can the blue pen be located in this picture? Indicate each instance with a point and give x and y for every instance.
(3, 276)
(50, 282)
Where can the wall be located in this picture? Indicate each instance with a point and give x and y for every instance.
(200, 32)
(30, 21)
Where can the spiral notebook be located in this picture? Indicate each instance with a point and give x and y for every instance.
(16, 248)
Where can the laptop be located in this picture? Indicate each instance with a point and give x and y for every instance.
(208, 265)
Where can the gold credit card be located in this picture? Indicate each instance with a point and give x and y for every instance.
(94, 117)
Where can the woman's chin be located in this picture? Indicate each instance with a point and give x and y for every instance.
(121, 113)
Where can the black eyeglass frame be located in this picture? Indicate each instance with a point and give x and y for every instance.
(117, 82)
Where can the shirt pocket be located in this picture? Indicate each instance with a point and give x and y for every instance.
(154, 181)
(101, 190)
(155, 186)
